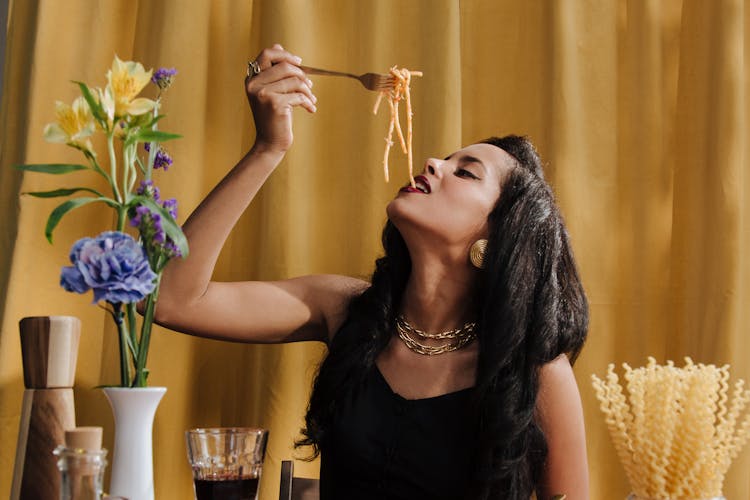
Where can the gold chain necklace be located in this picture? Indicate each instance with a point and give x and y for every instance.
(458, 337)
(448, 334)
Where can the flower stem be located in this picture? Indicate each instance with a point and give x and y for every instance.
(127, 174)
(94, 163)
(113, 166)
(148, 321)
(121, 328)
(153, 145)
(133, 169)
(122, 213)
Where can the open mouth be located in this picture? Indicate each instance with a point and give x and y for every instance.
(421, 185)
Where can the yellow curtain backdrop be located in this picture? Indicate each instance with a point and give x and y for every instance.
(639, 107)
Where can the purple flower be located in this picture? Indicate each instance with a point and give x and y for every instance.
(158, 230)
(137, 219)
(147, 188)
(171, 206)
(162, 159)
(150, 226)
(163, 77)
(172, 249)
(113, 265)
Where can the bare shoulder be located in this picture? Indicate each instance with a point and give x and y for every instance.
(556, 376)
(560, 415)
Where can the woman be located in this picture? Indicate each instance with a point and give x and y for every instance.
(447, 377)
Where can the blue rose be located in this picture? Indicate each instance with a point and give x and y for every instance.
(113, 265)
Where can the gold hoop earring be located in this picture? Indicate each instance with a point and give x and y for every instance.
(476, 253)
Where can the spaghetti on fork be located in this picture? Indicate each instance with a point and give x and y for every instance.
(399, 92)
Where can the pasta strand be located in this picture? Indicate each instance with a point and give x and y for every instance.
(395, 95)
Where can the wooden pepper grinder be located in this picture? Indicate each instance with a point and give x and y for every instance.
(49, 347)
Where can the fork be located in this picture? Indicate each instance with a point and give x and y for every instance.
(371, 81)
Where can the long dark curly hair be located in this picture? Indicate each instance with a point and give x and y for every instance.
(531, 309)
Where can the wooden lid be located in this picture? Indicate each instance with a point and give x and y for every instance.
(86, 438)
(49, 347)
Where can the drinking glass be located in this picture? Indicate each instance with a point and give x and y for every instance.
(226, 461)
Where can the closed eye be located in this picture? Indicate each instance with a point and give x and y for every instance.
(462, 172)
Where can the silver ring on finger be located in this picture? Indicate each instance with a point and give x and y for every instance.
(253, 68)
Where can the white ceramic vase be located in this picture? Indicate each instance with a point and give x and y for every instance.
(132, 457)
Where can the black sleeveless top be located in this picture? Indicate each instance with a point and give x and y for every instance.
(384, 447)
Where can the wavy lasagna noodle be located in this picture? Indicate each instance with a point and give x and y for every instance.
(679, 430)
(399, 92)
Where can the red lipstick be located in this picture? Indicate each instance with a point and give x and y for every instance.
(421, 185)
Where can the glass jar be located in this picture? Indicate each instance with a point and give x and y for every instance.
(82, 473)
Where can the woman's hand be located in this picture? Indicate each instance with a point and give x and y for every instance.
(273, 93)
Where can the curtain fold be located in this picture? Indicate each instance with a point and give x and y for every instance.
(638, 108)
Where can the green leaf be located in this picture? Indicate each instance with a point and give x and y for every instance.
(173, 230)
(139, 121)
(96, 108)
(148, 135)
(52, 168)
(155, 120)
(64, 208)
(62, 192)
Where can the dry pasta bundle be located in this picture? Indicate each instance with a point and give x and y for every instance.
(395, 95)
(678, 430)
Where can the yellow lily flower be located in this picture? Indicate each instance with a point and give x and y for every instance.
(107, 102)
(125, 81)
(74, 124)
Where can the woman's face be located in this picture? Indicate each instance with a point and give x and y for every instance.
(454, 196)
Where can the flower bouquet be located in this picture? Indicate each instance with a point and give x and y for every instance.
(120, 270)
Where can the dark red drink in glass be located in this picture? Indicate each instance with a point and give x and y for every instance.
(244, 488)
(226, 461)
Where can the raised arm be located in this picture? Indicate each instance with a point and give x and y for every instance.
(305, 308)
